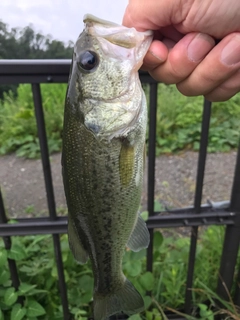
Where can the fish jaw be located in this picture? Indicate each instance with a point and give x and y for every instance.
(123, 37)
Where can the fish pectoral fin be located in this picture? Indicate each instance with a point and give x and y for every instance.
(75, 244)
(127, 299)
(140, 237)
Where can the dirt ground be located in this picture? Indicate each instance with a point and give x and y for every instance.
(23, 189)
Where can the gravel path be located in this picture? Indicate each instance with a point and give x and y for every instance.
(23, 189)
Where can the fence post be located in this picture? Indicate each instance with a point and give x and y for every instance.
(197, 201)
(37, 98)
(151, 166)
(8, 243)
(231, 241)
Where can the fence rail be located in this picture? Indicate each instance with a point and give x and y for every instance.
(36, 72)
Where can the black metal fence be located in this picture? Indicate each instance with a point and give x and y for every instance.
(56, 71)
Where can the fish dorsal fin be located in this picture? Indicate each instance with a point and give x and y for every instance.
(140, 237)
(75, 244)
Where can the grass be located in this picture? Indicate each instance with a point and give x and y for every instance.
(178, 121)
(18, 130)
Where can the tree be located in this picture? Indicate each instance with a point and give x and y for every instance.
(26, 43)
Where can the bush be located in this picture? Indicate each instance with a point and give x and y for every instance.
(18, 130)
(178, 121)
(39, 278)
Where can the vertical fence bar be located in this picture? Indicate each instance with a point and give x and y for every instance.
(8, 244)
(37, 98)
(231, 241)
(237, 291)
(151, 165)
(197, 201)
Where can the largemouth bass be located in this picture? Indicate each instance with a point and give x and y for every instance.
(103, 157)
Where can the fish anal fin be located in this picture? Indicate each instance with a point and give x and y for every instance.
(126, 164)
(127, 299)
(140, 237)
(75, 244)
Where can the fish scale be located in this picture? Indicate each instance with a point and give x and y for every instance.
(103, 156)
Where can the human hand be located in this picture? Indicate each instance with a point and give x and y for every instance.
(196, 44)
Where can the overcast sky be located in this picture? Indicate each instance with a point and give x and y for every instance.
(60, 18)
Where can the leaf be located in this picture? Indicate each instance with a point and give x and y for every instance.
(86, 283)
(54, 272)
(3, 257)
(17, 252)
(86, 298)
(144, 215)
(4, 276)
(10, 296)
(26, 288)
(149, 315)
(34, 309)
(202, 307)
(133, 268)
(135, 317)
(147, 302)
(157, 239)
(147, 281)
(158, 206)
(1, 315)
(18, 312)
(139, 255)
(36, 291)
(26, 269)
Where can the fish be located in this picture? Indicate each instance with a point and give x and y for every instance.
(103, 153)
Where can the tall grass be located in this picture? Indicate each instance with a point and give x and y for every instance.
(178, 121)
(18, 130)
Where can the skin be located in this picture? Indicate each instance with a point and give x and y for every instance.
(196, 44)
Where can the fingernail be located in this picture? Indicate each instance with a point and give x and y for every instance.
(231, 53)
(199, 47)
(156, 56)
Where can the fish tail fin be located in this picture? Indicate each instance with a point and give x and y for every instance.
(127, 299)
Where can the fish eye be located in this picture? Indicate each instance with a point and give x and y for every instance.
(88, 60)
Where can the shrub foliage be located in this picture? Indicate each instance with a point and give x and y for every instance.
(178, 121)
(39, 293)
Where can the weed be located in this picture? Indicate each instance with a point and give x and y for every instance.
(178, 121)
(39, 289)
(18, 130)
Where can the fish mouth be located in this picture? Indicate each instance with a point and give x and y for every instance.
(115, 33)
(89, 18)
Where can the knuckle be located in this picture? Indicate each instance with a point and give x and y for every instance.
(220, 95)
(186, 90)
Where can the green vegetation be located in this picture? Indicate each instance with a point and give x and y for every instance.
(26, 43)
(18, 129)
(178, 121)
(39, 287)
